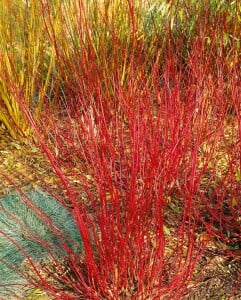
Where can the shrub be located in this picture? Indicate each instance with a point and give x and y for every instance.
(135, 142)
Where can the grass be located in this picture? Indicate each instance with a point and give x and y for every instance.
(138, 122)
(27, 65)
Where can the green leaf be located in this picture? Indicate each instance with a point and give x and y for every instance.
(238, 176)
(166, 230)
(234, 202)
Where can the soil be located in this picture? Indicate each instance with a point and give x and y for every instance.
(217, 277)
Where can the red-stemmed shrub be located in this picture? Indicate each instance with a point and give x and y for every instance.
(135, 150)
